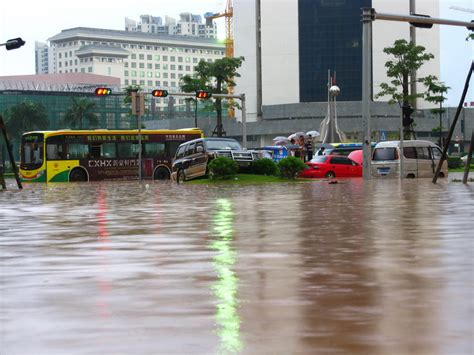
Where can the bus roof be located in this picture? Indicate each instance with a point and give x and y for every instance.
(117, 131)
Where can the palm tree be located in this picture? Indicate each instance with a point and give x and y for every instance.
(26, 116)
(80, 110)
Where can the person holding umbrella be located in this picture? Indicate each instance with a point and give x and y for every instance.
(309, 147)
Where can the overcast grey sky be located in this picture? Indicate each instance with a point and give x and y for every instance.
(40, 20)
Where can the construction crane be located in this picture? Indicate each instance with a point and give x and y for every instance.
(229, 42)
(229, 35)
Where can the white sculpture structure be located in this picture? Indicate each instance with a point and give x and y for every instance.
(329, 129)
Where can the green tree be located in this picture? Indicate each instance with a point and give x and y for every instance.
(406, 58)
(215, 77)
(81, 110)
(25, 116)
(435, 94)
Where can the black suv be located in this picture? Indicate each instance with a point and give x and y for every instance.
(192, 157)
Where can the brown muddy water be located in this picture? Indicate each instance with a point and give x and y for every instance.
(381, 267)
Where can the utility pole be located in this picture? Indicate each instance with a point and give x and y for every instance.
(367, 19)
(413, 40)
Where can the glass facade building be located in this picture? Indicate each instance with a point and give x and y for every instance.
(330, 38)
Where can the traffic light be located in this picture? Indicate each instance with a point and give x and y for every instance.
(103, 91)
(203, 94)
(14, 43)
(407, 111)
(159, 93)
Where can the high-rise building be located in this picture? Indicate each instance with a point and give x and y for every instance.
(137, 58)
(41, 57)
(188, 25)
(289, 47)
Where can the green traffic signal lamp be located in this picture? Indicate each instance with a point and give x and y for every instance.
(203, 94)
(159, 93)
(103, 91)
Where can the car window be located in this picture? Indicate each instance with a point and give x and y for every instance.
(436, 153)
(180, 152)
(190, 149)
(385, 154)
(199, 144)
(423, 153)
(215, 144)
(409, 152)
(341, 160)
(319, 159)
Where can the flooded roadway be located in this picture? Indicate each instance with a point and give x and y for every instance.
(304, 268)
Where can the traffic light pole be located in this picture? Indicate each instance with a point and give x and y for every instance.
(368, 16)
(138, 109)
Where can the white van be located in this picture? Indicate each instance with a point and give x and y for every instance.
(420, 159)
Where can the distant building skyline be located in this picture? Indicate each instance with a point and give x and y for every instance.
(188, 25)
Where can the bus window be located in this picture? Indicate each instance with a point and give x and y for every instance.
(95, 152)
(127, 150)
(54, 151)
(77, 151)
(109, 150)
(154, 149)
(172, 147)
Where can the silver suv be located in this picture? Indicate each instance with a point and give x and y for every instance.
(192, 157)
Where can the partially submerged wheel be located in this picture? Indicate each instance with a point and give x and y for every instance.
(77, 175)
(180, 176)
(161, 174)
(330, 174)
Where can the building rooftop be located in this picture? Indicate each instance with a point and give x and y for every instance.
(52, 82)
(144, 37)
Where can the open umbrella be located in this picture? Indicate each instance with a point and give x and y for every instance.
(357, 156)
(297, 135)
(313, 134)
(280, 140)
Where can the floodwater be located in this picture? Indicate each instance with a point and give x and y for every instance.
(383, 267)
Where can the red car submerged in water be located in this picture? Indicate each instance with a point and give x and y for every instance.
(331, 166)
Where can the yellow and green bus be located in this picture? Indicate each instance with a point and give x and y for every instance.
(96, 155)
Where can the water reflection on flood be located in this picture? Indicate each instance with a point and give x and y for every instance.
(349, 268)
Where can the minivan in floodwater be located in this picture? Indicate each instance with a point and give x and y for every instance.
(420, 159)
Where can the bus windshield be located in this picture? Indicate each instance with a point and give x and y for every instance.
(32, 151)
